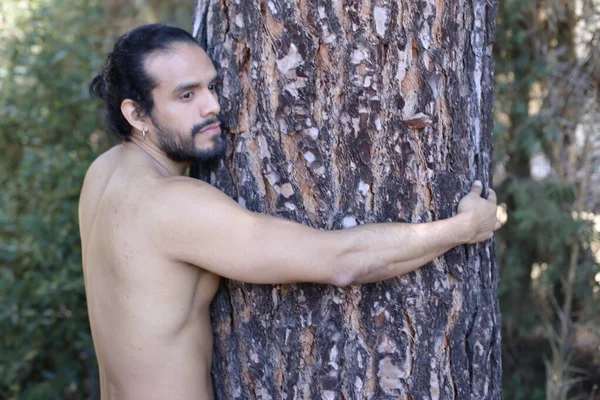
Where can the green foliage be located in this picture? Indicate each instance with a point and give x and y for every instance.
(538, 207)
(534, 247)
(541, 206)
(518, 67)
(46, 118)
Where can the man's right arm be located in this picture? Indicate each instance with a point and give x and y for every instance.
(199, 225)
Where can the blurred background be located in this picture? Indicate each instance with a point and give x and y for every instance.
(547, 174)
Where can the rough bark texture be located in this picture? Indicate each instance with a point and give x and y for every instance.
(343, 113)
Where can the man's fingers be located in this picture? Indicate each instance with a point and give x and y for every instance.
(492, 196)
(477, 187)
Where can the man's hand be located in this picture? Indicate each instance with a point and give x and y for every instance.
(481, 212)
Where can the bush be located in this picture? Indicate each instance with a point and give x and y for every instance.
(53, 48)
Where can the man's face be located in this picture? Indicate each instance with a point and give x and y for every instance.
(186, 107)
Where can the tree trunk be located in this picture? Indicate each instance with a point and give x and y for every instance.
(344, 113)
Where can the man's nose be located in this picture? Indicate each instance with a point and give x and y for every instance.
(210, 106)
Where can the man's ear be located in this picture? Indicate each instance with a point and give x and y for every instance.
(133, 114)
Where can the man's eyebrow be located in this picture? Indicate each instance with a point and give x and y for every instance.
(186, 86)
(192, 85)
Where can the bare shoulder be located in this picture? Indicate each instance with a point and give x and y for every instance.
(94, 184)
(101, 168)
(187, 211)
(96, 179)
(183, 202)
(183, 191)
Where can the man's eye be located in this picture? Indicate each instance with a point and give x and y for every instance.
(187, 95)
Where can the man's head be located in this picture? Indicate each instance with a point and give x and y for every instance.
(158, 80)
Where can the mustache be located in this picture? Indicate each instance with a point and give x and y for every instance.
(198, 127)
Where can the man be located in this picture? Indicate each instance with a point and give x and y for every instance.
(155, 243)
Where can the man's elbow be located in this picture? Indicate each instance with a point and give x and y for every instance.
(343, 257)
(341, 274)
(344, 280)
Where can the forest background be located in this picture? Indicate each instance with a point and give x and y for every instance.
(546, 172)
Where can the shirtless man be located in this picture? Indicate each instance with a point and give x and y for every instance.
(155, 243)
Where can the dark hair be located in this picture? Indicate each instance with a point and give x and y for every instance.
(124, 77)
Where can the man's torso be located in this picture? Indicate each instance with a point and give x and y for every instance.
(149, 314)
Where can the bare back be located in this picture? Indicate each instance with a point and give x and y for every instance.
(149, 314)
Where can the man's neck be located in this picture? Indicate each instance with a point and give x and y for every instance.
(161, 162)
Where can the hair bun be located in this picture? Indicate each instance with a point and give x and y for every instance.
(98, 87)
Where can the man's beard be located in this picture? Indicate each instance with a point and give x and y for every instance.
(179, 147)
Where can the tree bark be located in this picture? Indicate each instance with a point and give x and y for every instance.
(343, 113)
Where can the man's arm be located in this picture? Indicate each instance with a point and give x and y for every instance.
(200, 225)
